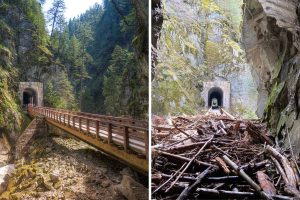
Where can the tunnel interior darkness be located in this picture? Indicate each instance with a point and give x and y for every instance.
(29, 97)
(217, 93)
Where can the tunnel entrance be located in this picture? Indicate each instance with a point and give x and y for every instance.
(31, 93)
(215, 94)
(29, 97)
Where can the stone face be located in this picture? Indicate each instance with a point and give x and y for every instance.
(34, 88)
(272, 46)
(197, 48)
(131, 189)
(54, 176)
(4, 173)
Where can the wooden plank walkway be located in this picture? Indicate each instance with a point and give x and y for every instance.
(123, 138)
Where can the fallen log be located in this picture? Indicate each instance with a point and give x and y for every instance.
(254, 166)
(292, 191)
(190, 162)
(217, 179)
(280, 170)
(183, 159)
(285, 163)
(222, 194)
(222, 165)
(199, 178)
(257, 134)
(185, 133)
(171, 177)
(185, 147)
(246, 178)
(265, 183)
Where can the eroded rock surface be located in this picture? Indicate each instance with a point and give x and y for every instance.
(271, 38)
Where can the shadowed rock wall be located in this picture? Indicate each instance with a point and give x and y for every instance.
(271, 39)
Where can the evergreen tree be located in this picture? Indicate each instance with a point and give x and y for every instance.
(56, 14)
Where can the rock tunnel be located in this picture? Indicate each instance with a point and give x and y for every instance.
(29, 97)
(216, 93)
(218, 89)
(31, 93)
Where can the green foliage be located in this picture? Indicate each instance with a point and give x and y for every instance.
(19, 18)
(35, 15)
(241, 110)
(197, 42)
(59, 93)
(55, 15)
(10, 117)
(125, 97)
(94, 45)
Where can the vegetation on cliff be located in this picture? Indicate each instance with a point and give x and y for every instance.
(90, 47)
(20, 20)
(78, 61)
(199, 41)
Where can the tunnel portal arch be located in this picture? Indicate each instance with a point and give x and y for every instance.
(219, 90)
(31, 93)
(29, 97)
(215, 93)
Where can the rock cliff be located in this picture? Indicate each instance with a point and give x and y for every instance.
(271, 39)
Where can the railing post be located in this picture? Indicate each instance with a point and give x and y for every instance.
(126, 139)
(73, 122)
(68, 120)
(79, 124)
(109, 132)
(88, 126)
(146, 143)
(97, 129)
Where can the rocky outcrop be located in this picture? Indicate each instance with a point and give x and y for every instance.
(157, 20)
(5, 172)
(131, 189)
(271, 39)
(196, 42)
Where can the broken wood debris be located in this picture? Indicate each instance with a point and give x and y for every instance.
(221, 157)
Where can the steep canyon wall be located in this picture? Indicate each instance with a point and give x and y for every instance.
(271, 39)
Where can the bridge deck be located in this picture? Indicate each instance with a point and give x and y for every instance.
(123, 138)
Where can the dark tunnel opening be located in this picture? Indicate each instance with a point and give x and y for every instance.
(215, 93)
(29, 97)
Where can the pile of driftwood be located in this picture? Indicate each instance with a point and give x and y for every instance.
(219, 157)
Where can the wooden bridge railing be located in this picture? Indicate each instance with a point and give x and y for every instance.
(123, 120)
(129, 135)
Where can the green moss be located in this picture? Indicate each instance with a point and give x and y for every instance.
(276, 91)
(5, 29)
(213, 54)
(240, 109)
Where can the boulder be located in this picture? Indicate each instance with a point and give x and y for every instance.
(131, 189)
(5, 172)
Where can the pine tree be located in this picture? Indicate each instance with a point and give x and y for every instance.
(56, 14)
